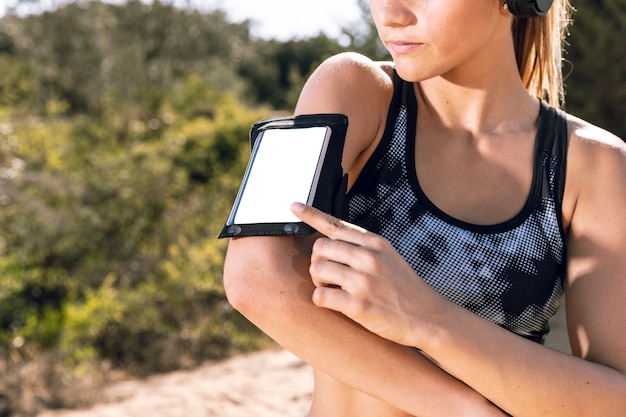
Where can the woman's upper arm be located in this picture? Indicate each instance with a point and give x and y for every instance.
(596, 284)
(260, 271)
(353, 85)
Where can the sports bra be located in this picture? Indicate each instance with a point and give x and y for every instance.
(510, 273)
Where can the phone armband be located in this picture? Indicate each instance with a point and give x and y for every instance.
(293, 159)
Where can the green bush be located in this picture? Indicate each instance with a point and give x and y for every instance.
(109, 246)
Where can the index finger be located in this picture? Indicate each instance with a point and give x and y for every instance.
(328, 225)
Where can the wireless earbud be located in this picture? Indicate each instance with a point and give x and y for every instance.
(529, 8)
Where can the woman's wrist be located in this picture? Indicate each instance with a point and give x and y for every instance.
(431, 333)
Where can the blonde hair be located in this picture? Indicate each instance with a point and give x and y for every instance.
(539, 43)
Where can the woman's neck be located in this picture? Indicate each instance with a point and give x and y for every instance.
(482, 94)
(475, 110)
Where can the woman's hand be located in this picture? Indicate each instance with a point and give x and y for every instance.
(361, 275)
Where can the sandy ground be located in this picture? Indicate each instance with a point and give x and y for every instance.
(271, 383)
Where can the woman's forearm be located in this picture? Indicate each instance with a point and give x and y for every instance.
(267, 280)
(523, 377)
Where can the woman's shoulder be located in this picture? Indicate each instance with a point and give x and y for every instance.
(345, 80)
(596, 164)
(591, 135)
(594, 146)
(354, 85)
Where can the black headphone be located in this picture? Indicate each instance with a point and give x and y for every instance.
(529, 8)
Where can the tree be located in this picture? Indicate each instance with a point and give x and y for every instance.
(364, 37)
(275, 72)
(595, 87)
(91, 53)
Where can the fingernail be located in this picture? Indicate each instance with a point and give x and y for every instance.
(297, 207)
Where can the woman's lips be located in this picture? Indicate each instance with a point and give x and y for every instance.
(403, 47)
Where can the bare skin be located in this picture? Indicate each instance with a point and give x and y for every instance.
(349, 305)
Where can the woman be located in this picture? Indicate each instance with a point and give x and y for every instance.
(482, 204)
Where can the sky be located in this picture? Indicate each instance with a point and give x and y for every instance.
(285, 19)
(272, 19)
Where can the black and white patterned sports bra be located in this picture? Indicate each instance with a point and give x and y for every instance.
(510, 273)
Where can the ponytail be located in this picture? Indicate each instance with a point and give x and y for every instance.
(539, 45)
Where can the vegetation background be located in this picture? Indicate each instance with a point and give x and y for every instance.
(123, 138)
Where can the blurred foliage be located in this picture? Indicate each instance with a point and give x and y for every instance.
(123, 138)
(278, 78)
(596, 87)
(107, 234)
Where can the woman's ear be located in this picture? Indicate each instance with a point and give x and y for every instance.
(504, 7)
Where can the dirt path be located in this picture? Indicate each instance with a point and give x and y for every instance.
(272, 383)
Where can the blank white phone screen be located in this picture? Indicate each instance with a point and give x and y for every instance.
(283, 170)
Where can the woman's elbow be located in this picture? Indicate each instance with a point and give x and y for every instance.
(264, 277)
(248, 271)
(235, 286)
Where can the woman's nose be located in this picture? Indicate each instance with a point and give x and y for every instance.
(392, 12)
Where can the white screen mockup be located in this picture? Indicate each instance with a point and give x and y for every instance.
(284, 168)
